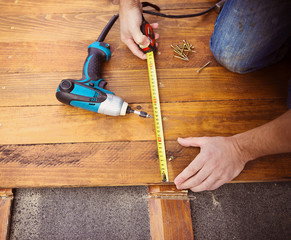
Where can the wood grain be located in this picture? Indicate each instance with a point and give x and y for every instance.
(170, 218)
(112, 164)
(53, 47)
(214, 83)
(65, 56)
(15, 7)
(87, 26)
(60, 124)
(45, 143)
(6, 197)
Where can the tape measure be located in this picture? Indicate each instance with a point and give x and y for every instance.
(149, 50)
(157, 116)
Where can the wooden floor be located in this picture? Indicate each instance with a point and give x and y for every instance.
(44, 143)
(47, 144)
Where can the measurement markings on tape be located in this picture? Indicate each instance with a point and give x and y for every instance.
(157, 116)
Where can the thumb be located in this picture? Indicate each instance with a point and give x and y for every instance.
(190, 141)
(141, 39)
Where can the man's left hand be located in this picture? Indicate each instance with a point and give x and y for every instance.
(219, 161)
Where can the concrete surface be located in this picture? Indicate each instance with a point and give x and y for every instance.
(81, 213)
(243, 211)
(234, 211)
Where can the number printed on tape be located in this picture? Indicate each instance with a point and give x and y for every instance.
(157, 116)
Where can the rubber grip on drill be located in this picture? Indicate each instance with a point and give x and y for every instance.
(97, 54)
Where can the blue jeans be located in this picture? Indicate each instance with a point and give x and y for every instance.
(251, 34)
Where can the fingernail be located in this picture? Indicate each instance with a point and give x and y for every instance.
(144, 46)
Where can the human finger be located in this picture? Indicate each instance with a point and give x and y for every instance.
(207, 184)
(140, 39)
(154, 25)
(157, 35)
(197, 179)
(189, 171)
(135, 49)
(190, 141)
(217, 184)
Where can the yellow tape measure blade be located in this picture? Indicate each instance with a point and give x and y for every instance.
(157, 116)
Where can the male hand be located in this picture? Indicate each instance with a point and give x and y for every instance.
(130, 17)
(219, 161)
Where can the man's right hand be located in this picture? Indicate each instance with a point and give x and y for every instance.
(130, 17)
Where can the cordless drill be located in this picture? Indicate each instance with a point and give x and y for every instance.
(89, 92)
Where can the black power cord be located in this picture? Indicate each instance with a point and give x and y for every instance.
(105, 31)
(217, 7)
(179, 16)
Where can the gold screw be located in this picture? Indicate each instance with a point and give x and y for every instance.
(181, 54)
(203, 67)
(183, 51)
(185, 59)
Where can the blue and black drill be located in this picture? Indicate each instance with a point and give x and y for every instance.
(88, 92)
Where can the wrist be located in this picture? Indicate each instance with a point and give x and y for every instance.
(129, 4)
(244, 148)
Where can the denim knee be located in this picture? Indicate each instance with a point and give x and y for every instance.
(230, 60)
(250, 35)
(246, 59)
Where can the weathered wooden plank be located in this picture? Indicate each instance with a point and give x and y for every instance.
(214, 83)
(85, 164)
(270, 168)
(18, 7)
(87, 26)
(54, 27)
(50, 38)
(59, 124)
(69, 56)
(6, 197)
(15, 7)
(49, 55)
(112, 164)
(170, 214)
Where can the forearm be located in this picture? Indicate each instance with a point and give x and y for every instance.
(128, 4)
(271, 138)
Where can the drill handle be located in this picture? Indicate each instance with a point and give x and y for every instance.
(98, 52)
